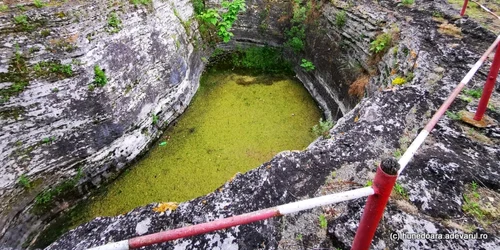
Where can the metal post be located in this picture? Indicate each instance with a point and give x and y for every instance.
(384, 181)
(489, 86)
(462, 13)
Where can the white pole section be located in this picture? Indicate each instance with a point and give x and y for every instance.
(325, 200)
(120, 245)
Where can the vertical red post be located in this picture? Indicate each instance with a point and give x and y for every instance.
(462, 13)
(384, 181)
(489, 86)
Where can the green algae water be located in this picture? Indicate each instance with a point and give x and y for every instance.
(235, 123)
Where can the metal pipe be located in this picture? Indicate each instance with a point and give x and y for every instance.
(408, 155)
(202, 228)
(489, 86)
(462, 13)
(184, 232)
(374, 208)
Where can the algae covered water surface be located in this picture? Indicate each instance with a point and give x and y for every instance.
(234, 123)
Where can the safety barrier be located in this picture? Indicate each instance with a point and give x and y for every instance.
(378, 194)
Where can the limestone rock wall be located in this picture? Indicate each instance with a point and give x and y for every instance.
(56, 126)
(385, 121)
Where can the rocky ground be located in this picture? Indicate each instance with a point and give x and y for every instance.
(451, 186)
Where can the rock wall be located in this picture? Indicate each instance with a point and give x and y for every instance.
(56, 126)
(382, 124)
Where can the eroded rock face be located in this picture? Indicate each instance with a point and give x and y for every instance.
(384, 121)
(62, 125)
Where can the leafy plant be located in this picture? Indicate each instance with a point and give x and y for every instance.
(466, 98)
(472, 208)
(3, 7)
(323, 223)
(323, 128)
(296, 34)
(44, 199)
(22, 20)
(381, 43)
(452, 115)
(476, 93)
(307, 65)
(24, 181)
(407, 2)
(47, 140)
(53, 68)
(296, 37)
(38, 3)
(100, 78)
(222, 22)
(397, 154)
(340, 19)
(143, 2)
(260, 59)
(369, 183)
(299, 237)
(398, 81)
(155, 119)
(114, 23)
(45, 33)
(400, 190)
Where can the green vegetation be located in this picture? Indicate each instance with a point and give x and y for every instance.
(258, 59)
(114, 23)
(452, 115)
(296, 35)
(407, 2)
(45, 200)
(369, 183)
(323, 223)
(53, 69)
(307, 65)
(397, 154)
(18, 74)
(401, 190)
(323, 128)
(22, 21)
(24, 181)
(3, 7)
(222, 22)
(100, 78)
(340, 19)
(48, 140)
(21, 7)
(143, 2)
(45, 32)
(381, 43)
(198, 6)
(476, 93)
(38, 3)
(234, 123)
(299, 237)
(155, 119)
(398, 81)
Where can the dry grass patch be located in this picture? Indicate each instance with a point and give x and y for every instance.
(357, 88)
(450, 30)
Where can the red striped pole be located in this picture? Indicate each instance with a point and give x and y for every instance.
(211, 226)
(384, 181)
(466, 2)
(489, 86)
(202, 228)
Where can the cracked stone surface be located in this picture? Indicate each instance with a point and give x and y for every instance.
(386, 119)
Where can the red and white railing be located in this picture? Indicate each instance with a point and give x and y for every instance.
(378, 194)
